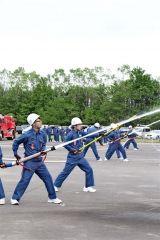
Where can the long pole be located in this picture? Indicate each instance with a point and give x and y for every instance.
(108, 129)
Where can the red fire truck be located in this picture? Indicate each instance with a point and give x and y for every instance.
(7, 127)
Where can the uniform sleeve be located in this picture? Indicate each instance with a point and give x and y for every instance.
(110, 136)
(69, 137)
(17, 142)
(84, 133)
(45, 141)
(92, 130)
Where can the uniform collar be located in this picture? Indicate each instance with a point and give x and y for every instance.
(33, 130)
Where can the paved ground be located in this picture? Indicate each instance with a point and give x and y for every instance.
(126, 205)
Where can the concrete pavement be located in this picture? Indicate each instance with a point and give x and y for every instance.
(126, 205)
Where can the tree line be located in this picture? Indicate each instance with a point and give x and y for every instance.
(94, 95)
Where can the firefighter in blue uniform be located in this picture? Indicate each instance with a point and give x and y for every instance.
(49, 133)
(131, 138)
(115, 145)
(90, 139)
(34, 141)
(62, 133)
(56, 134)
(76, 158)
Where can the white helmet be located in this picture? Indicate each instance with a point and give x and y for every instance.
(75, 121)
(130, 126)
(97, 125)
(32, 118)
(113, 126)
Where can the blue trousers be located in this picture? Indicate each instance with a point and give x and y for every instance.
(56, 137)
(94, 149)
(69, 166)
(27, 174)
(115, 147)
(118, 153)
(49, 138)
(129, 141)
(2, 195)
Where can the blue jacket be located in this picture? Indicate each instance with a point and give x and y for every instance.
(114, 136)
(49, 131)
(75, 145)
(91, 130)
(33, 142)
(132, 134)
